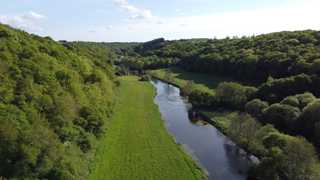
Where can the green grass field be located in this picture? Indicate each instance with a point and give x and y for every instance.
(137, 145)
(203, 82)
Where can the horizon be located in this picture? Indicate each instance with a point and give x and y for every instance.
(141, 21)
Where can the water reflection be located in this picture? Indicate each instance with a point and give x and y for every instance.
(216, 153)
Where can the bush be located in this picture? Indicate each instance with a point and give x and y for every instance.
(288, 158)
(310, 122)
(234, 95)
(4, 33)
(291, 101)
(305, 99)
(276, 90)
(300, 100)
(145, 78)
(282, 116)
(256, 107)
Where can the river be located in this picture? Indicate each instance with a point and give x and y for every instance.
(215, 153)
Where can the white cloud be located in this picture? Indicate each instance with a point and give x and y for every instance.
(297, 15)
(30, 21)
(34, 15)
(109, 27)
(135, 12)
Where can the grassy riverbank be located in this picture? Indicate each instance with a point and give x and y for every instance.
(137, 145)
(202, 82)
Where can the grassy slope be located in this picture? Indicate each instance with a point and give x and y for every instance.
(137, 145)
(203, 82)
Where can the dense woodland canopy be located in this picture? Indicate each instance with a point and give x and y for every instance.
(54, 102)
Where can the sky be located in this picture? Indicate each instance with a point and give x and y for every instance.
(144, 20)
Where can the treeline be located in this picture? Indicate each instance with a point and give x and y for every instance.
(54, 102)
(282, 156)
(254, 58)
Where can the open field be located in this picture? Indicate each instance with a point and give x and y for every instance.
(137, 145)
(203, 82)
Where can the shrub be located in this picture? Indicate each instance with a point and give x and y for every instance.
(282, 116)
(291, 101)
(234, 95)
(256, 107)
(145, 78)
(310, 122)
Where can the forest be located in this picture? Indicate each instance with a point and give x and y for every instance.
(54, 102)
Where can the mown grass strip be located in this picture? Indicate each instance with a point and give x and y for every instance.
(137, 145)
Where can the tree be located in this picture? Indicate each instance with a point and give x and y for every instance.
(168, 76)
(244, 128)
(288, 158)
(310, 121)
(281, 116)
(279, 89)
(145, 77)
(233, 94)
(291, 101)
(256, 107)
(188, 88)
(305, 99)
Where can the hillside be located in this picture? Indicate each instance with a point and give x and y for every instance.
(54, 103)
(253, 58)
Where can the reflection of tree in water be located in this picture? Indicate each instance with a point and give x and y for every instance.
(170, 90)
(237, 158)
(195, 119)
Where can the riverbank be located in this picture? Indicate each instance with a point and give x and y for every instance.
(207, 84)
(137, 145)
(202, 82)
(216, 153)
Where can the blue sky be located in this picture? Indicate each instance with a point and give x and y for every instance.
(143, 20)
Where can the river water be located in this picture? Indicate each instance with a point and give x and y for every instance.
(217, 154)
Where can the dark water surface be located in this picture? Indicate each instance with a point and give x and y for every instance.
(219, 156)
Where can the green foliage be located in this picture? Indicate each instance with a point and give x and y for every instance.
(276, 90)
(289, 158)
(291, 101)
(234, 95)
(305, 99)
(282, 116)
(299, 100)
(45, 87)
(168, 76)
(310, 122)
(281, 156)
(253, 58)
(256, 107)
(245, 129)
(145, 77)
(188, 88)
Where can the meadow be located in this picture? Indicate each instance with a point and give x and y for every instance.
(137, 145)
(202, 82)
